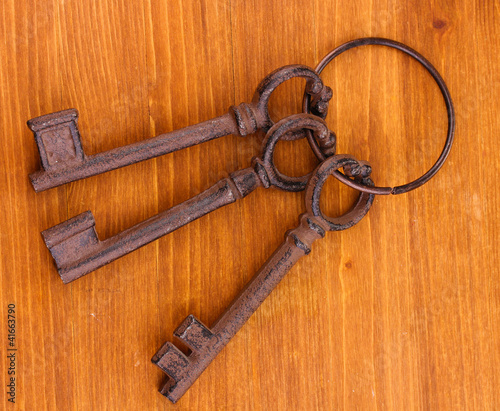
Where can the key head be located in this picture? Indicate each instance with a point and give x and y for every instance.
(171, 361)
(69, 242)
(264, 165)
(58, 139)
(192, 332)
(359, 170)
(183, 370)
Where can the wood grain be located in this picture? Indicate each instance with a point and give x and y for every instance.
(400, 312)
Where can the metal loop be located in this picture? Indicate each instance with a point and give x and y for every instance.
(315, 89)
(444, 91)
(277, 132)
(315, 185)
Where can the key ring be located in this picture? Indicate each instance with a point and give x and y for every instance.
(444, 91)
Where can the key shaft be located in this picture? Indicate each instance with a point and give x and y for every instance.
(78, 251)
(205, 343)
(66, 163)
(63, 159)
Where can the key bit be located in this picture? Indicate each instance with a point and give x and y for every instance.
(205, 343)
(63, 159)
(77, 250)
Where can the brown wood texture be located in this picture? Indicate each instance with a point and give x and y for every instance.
(400, 312)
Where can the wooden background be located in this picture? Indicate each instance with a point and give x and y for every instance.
(400, 312)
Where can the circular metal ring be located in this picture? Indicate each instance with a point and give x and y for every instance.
(444, 91)
(315, 185)
(283, 127)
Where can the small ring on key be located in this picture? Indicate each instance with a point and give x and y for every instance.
(444, 91)
(290, 124)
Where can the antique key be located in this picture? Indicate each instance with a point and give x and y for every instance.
(205, 343)
(78, 251)
(63, 160)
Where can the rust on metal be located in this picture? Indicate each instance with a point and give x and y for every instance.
(63, 159)
(205, 343)
(77, 250)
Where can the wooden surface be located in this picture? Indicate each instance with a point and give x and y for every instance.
(400, 312)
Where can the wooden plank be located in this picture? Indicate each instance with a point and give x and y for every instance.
(399, 312)
(414, 353)
(190, 75)
(103, 46)
(30, 86)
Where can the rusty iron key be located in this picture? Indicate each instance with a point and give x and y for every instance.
(63, 159)
(205, 343)
(78, 251)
